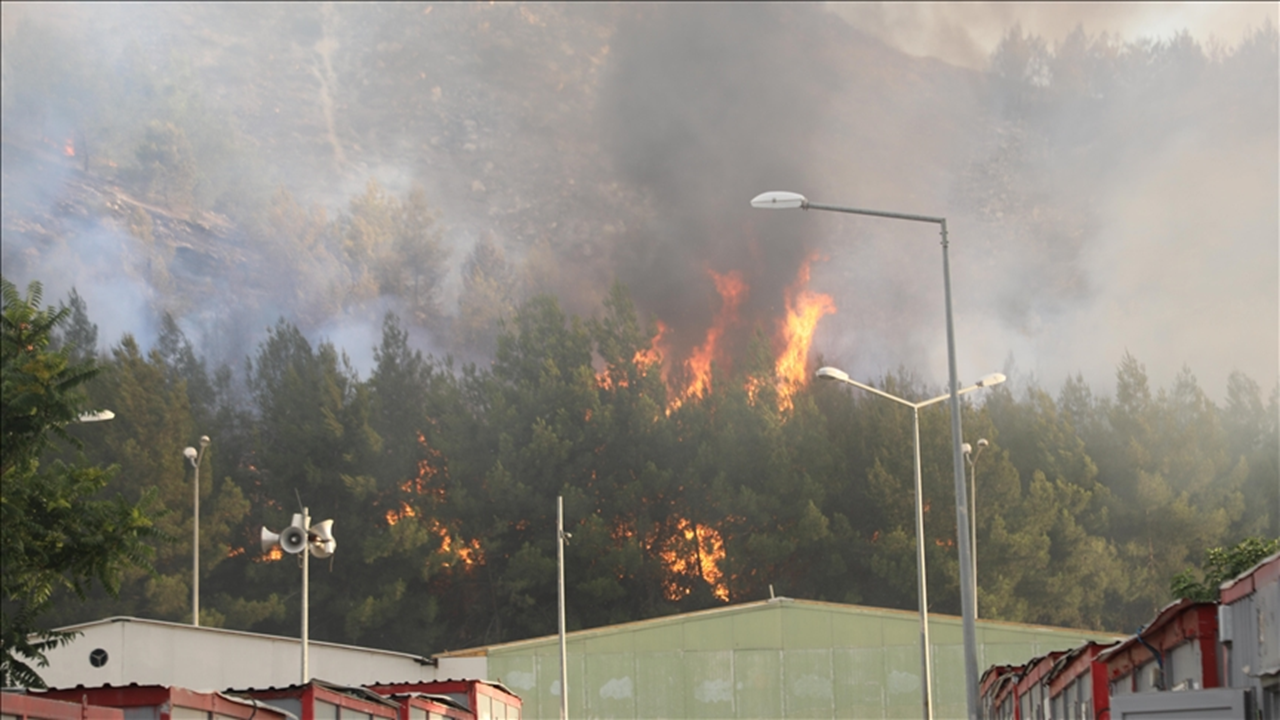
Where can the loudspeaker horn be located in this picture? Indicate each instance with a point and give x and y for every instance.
(293, 539)
(321, 537)
(269, 540)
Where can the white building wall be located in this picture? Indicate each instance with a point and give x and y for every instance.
(150, 652)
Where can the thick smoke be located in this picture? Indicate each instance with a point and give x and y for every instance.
(601, 142)
(704, 107)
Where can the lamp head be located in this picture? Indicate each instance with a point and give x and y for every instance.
(204, 441)
(982, 442)
(779, 200)
(966, 448)
(830, 373)
(189, 453)
(990, 380)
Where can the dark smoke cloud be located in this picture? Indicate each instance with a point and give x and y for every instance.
(705, 106)
(595, 142)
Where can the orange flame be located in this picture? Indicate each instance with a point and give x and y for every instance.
(275, 554)
(395, 516)
(733, 291)
(794, 337)
(651, 356)
(69, 148)
(804, 309)
(468, 553)
(645, 358)
(428, 469)
(695, 549)
(622, 531)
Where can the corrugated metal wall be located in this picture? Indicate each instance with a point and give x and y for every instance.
(779, 659)
(1254, 637)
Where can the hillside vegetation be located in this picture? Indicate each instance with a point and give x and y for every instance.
(425, 267)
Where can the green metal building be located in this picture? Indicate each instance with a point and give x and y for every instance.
(778, 658)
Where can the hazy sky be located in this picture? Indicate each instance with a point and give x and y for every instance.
(965, 33)
(1183, 269)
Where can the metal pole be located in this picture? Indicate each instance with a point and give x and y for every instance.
(195, 533)
(957, 457)
(962, 505)
(973, 524)
(305, 555)
(926, 659)
(564, 664)
(195, 545)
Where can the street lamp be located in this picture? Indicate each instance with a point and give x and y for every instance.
(926, 661)
(783, 200)
(195, 457)
(562, 538)
(972, 457)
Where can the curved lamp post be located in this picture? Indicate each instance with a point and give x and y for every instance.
(926, 660)
(195, 457)
(782, 200)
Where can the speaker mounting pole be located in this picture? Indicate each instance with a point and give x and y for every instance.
(303, 539)
(306, 576)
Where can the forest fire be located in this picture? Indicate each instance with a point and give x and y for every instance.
(804, 309)
(793, 338)
(695, 549)
(468, 553)
(652, 355)
(275, 554)
(395, 516)
(732, 292)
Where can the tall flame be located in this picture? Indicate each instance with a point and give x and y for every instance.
(696, 549)
(732, 290)
(795, 334)
(653, 354)
(792, 341)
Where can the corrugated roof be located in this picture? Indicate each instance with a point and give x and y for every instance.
(1242, 585)
(1167, 614)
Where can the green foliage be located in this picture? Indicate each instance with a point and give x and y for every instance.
(53, 534)
(443, 481)
(392, 247)
(487, 297)
(80, 336)
(1220, 565)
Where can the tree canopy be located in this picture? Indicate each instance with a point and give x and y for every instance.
(442, 482)
(54, 534)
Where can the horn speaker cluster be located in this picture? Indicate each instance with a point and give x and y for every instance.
(297, 537)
